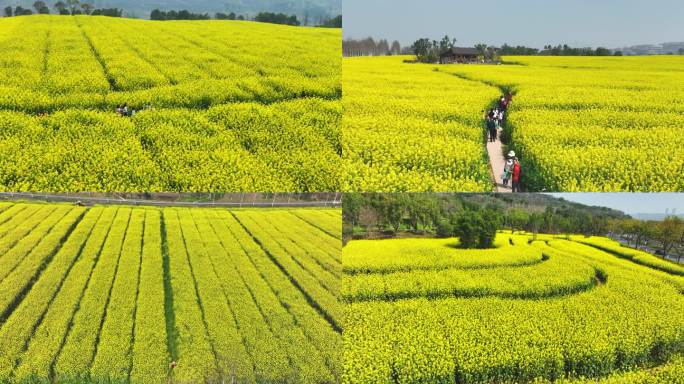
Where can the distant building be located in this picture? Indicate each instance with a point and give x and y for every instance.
(459, 55)
(653, 49)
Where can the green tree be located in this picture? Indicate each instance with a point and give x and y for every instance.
(491, 220)
(535, 223)
(351, 207)
(61, 8)
(601, 51)
(8, 12)
(368, 218)
(422, 48)
(476, 229)
(41, 7)
(670, 232)
(446, 44)
(517, 219)
(73, 5)
(466, 227)
(394, 211)
(444, 228)
(87, 8)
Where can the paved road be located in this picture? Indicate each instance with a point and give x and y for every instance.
(650, 250)
(497, 161)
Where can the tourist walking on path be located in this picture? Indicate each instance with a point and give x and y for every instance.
(508, 168)
(492, 130)
(501, 165)
(516, 175)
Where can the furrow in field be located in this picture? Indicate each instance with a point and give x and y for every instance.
(317, 295)
(49, 336)
(265, 232)
(150, 353)
(195, 357)
(113, 358)
(248, 319)
(78, 350)
(19, 242)
(25, 274)
(308, 365)
(301, 243)
(64, 245)
(232, 359)
(249, 256)
(309, 217)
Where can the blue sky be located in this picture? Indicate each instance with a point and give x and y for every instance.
(630, 203)
(608, 23)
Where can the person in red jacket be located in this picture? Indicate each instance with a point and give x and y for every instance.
(516, 176)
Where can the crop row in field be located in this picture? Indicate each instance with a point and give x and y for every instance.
(594, 124)
(579, 312)
(116, 294)
(237, 147)
(53, 63)
(237, 106)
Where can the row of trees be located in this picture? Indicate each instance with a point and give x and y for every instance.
(68, 7)
(429, 51)
(667, 236)
(263, 17)
(475, 219)
(388, 214)
(565, 50)
(276, 18)
(75, 7)
(559, 50)
(370, 47)
(373, 215)
(184, 14)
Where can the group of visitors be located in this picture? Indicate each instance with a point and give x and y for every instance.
(494, 120)
(496, 117)
(512, 172)
(125, 111)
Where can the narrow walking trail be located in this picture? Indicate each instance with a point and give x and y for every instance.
(496, 162)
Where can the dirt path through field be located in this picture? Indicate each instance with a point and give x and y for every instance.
(496, 162)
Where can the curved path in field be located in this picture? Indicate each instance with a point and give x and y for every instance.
(559, 278)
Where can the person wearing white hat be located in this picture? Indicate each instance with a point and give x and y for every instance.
(508, 166)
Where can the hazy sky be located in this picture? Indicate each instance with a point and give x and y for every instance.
(579, 23)
(630, 203)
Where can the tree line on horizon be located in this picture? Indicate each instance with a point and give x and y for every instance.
(76, 7)
(475, 220)
(429, 50)
(263, 17)
(67, 7)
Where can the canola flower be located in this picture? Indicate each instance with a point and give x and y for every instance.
(577, 123)
(576, 315)
(116, 294)
(237, 106)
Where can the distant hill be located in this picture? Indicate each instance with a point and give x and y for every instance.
(537, 202)
(653, 216)
(313, 9)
